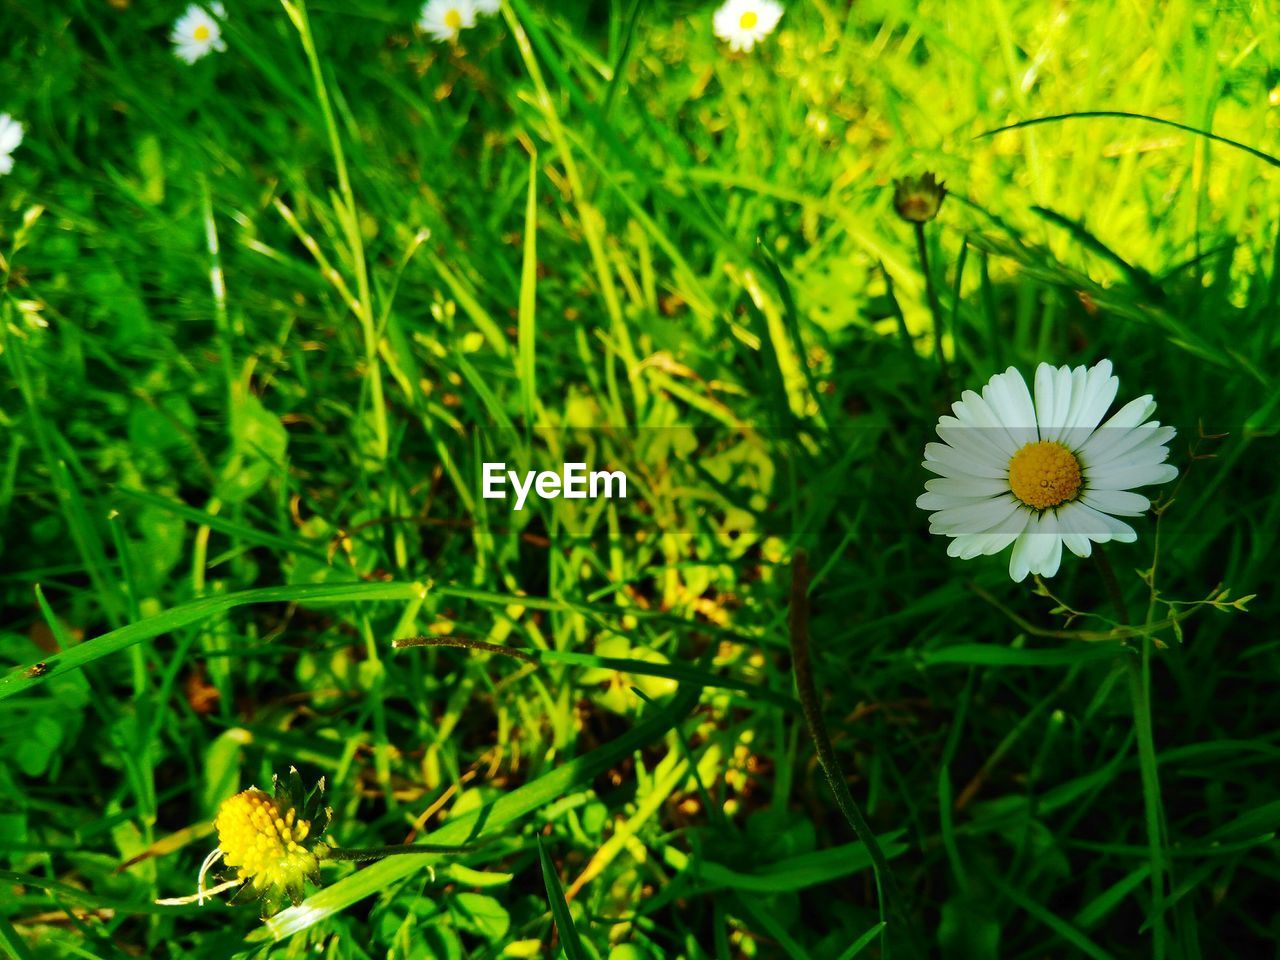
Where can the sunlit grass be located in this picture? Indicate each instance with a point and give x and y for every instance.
(266, 314)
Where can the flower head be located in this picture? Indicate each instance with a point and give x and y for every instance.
(10, 140)
(918, 199)
(743, 23)
(273, 841)
(446, 19)
(487, 7)
(198, 32)
(1040, 475)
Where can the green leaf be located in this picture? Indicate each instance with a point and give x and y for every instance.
(480, 914)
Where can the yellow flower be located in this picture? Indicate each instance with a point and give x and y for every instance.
(266, 843)
(273, 841)
(274, 844)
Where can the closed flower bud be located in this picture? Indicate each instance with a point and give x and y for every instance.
(918, 199)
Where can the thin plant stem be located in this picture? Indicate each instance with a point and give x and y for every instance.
(1139, 673)
(888, 896)
(1111, 584)
(931, 294)
(362, 854)
(465, 643)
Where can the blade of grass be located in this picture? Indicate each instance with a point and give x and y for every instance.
(569, 939)
(862, 942)
(12, 941)
(90, 651)
(526, 369)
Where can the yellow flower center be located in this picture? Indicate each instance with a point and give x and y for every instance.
(201, 32)
(453, 20)
(749, 20)
(262, 842)
(1044, 474)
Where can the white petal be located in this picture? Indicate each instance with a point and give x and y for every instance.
(1095, 476)
(1120, 503)
(940, 501)
(1008, 397)
(972, 410)
(997, 538)
(1023, 547)
(1079, 397)
(1049, 546)
(945, 470)
(1053, 399)
(10, 134)
(978, 517)
(982, 440)
(1137, 442)
(1100, 390)
(1129, 477)
(970, 462)
(1073, 537)
(1100, 527)
(968, 487)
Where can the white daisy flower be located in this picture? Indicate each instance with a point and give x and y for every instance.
(198, 32)
(10, 140)
(743, 23)
(445, 19)
(487, 7)
(1043, 475)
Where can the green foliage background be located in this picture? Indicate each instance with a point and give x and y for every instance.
(593, 220)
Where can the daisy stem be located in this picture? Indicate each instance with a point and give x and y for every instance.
(931, 293)
(798, 619)
(1139, 671)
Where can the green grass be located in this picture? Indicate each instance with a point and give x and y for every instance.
(265, 316)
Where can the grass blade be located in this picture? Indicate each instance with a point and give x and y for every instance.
(90, 651)
(560, 907)
(528, 321)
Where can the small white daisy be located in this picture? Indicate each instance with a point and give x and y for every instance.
(10, 140)
(743, 23)
(198, 32)
(1043, 475)
(487, 7)
(445, 19)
